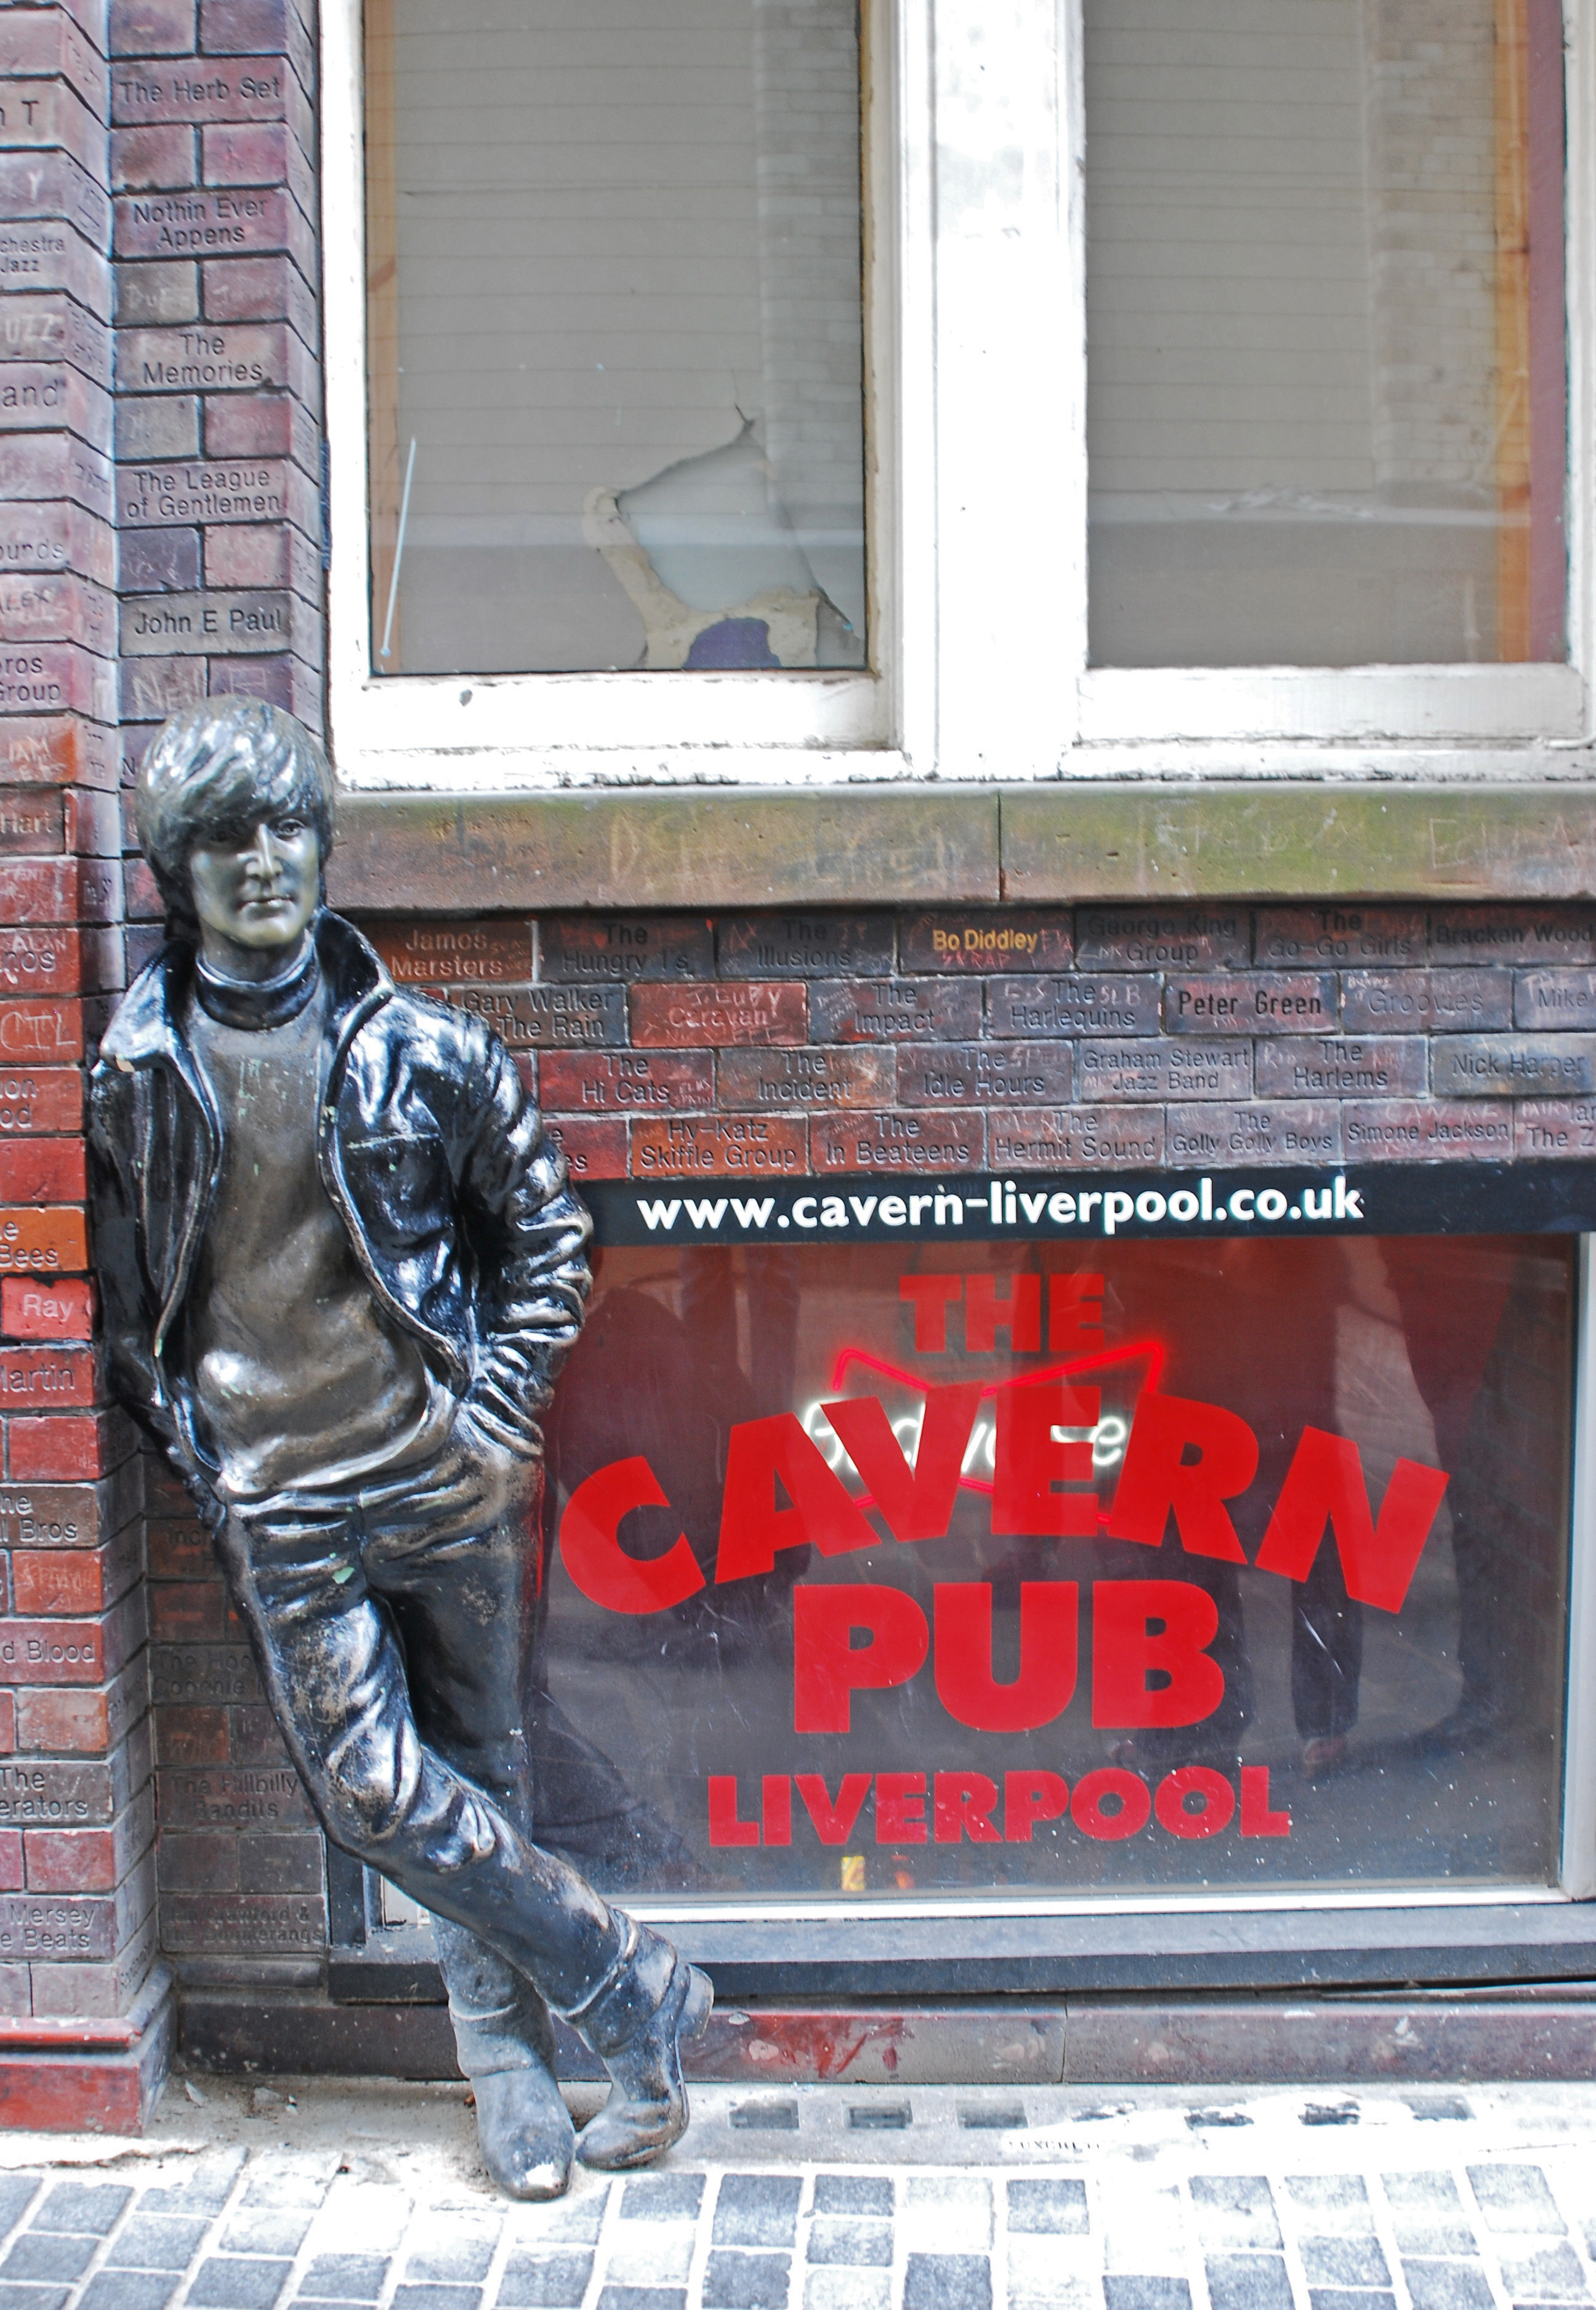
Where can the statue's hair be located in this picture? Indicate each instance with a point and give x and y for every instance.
(211, 773)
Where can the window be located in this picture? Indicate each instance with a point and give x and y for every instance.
(1113, 1636)
(1128, 387)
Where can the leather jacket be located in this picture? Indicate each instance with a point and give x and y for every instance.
(434, 1157)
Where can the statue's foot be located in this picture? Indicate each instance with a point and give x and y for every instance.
(524, 2131)
(648, 2110)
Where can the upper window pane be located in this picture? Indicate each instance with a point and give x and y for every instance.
(615, 335)
(1326, 330)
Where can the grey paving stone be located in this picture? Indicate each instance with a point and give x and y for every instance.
(992, 2117)
(1433, 2238)
(853, 2194)
(545, 2281)
(1333, 2297)
(287, 2185)
(662, 2198)
(326, 2302)
(879, 2116)
(1424, 2193)
(947, 2281)
(344, 2278)
(224, 2283)
(1235, 2209)
(766, 2116)
(460, 2259)
(1344, 2262)
(747, 2282)
(1516, 2198)
(848, 2289)
(863, 2246)
(207, 2182)
(1438, 2109)
(129, 2289)
(255, 2230)
(1054, 2205)
(946, 2213)
(156, 2242)
(1336, 2202)
(17, 2193)
(1248, 2281)
(643, 2298)
(93, 2208)
(572, 2221)
(757, 2210)
(434, 2298)
(1123, 2292)
(1447, 2285)
(1549, 2273)
(43, 2255)
(33, 2297)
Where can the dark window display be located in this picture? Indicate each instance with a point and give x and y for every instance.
(1054, 1569)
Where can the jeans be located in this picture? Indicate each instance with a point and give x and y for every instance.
(392, 1625)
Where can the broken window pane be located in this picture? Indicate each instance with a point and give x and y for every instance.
(615, 335)
(1326, 331)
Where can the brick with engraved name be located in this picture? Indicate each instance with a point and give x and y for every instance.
(1513, 1066)
(39, 397)
(39, 1100)
(31, 820)
(1530, 936)
(44, 1379)
(189, 1674)
(45, 538)
(897, 1145)
(1552, 998)
(56, 677)
(1554, 1129)
(707, 1016)
(58, 1927)
(1018, 1008)
(494, 949)
(545, 1018)
(43, 1029)
(225, 220)
(627, 1082)
(721, 1147)
(68, 1515)
(1320, 938)
(1426, 1002)
(894, 1009)
(51, 1651)
(242, 1924)
(207, 88)
(799, 945)
(1162, 938)
(1077, 1138)
(1304, 1066)
(985, 1074)
(234, 1796)
(1291, 1131)
(800, 1081)
(213, 490)
(994, 939)
(38, 1789)
(619, 949)
(42, 1242)
(206, 358)
(592, 1148)
(213, 625)
(46, 1311)
(1264, 1003)
(41, 961)
(1107, 1075)
(1424, 1130)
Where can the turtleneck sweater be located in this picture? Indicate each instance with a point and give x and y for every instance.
(301, 1380)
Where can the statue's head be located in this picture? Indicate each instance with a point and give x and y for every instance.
(234, 808)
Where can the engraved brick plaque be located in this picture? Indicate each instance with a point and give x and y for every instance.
(1078, 1138)
(994, 939)
(722, 1147)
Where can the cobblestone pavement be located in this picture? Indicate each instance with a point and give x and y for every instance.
(369, 2197)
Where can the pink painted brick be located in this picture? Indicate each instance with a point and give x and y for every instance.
(143, 159)
(249, 425)
(247, 152)
(152, 28)
(1424, 1130)
(285, 682)
(258, 555)
(257, 289)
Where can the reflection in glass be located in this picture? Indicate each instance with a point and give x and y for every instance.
(1326, 330)
(1301, 1702)
(615, 335)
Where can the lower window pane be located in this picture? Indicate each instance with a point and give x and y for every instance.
(1220, 1563)
(1326, 330)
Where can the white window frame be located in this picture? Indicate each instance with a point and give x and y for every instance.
(977, 501)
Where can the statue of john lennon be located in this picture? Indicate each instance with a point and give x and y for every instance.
(341, 1267)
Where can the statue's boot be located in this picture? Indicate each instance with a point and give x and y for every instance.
(648, 2006)
(505, 2042)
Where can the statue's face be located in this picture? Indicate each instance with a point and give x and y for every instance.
(260, 893)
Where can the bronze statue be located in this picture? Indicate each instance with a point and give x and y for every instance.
(341, 1267)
